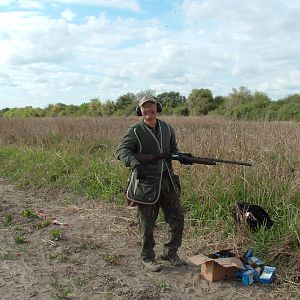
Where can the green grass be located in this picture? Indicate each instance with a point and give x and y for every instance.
(19, 240)
(30, 214)
(96, 176)
(7, 219)
(42, 224)
(55, 234)
(8, 256)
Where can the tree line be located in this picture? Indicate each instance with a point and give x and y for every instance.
(240, 104)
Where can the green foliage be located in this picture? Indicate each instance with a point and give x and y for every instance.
(24, 112)
(244, 105)
(8, 256)
(43, 224)
(55, 234)
(289, 108)
(19, 240)
(108, 108)
(181, 110)
(201, 101)
(126, 102)
(111, 259)
(94, 176)
(172, 102)
(30, 214)
(7, 219)
(63, 293)
(95, 108)
(164, 285)
(241, 103)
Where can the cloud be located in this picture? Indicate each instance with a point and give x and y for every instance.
(5, 80)
(121, 4)
(68, 14)
(6, 2)
(34, 38)
(30, 4)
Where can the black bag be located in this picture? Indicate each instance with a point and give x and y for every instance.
(253, 214)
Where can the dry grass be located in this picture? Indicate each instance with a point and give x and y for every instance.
(257, 141)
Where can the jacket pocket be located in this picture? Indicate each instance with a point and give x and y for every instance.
(143, 191)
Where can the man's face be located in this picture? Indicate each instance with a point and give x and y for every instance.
(149, 110)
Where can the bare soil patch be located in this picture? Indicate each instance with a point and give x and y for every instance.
(96, 256)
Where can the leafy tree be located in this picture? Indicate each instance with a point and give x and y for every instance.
(57, 109)
(219, 100)
(238, 97)
(125, 100)
(108, 108)
(200, 102)
(241, 104)
(95, 107)
(4, 110)
(181, 110)
(83, 109)
(71, 110)
(170, 101)
(24, 112)
(289, 108)
(125, 104)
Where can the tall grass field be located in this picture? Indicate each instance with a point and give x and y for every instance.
(78, 154)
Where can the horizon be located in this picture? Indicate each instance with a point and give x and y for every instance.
(114, 100)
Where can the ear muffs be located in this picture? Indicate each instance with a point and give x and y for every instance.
(158, 107)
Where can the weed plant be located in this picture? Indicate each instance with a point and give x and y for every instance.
(7, 219)
(19, 240)
(55, 234)
(78, 154)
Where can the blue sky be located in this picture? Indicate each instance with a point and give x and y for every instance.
(70, 51)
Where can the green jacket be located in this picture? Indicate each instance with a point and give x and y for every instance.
(140, 139)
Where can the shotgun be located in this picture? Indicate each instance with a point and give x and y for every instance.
(187, 159)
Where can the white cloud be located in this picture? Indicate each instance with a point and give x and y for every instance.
(6, 2)
(68, 14)
(121, 4)
(30, 4)
(34, 38)
(5, 80)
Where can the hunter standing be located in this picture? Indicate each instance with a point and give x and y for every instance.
(153, 184)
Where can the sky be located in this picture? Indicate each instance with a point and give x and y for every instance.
(71, 51)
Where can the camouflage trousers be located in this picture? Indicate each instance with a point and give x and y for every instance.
(173, 214)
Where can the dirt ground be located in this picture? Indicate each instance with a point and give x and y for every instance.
(95, 257)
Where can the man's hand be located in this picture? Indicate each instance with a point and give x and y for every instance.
(184, 158)
(140, 172)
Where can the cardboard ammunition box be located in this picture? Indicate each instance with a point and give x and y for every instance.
(218, 268)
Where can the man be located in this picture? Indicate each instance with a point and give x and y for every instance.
(153, 184)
